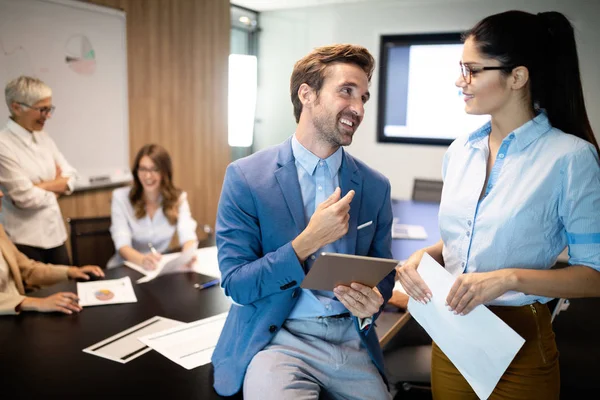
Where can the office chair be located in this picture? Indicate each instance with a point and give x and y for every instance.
(427, 190)
(91, 242)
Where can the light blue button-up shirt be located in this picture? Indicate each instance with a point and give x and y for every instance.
(318, 179)
(543, 194)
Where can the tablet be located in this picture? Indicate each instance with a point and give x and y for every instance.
(333, 269)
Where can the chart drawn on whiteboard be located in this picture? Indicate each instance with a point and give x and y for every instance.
(14, 61)
(78, 50)
(81, 56)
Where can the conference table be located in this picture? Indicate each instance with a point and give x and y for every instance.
(41, 353)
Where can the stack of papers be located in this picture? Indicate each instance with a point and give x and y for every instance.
(479, 344)
(110, 291)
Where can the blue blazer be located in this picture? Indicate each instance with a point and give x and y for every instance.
(260, 213)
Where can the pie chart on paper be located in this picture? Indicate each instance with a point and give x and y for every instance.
(80, 57)
(104, 294)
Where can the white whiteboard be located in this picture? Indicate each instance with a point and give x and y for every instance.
(79, 50)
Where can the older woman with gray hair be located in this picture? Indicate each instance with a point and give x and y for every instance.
(33, 174)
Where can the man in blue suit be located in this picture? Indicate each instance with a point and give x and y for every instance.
(279, 209)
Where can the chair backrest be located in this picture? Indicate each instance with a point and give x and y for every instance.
(427, 190)
(91, 242)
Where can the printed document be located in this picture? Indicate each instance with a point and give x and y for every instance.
(110, 291)
(479, 344)
(124, 347)
(190, 345)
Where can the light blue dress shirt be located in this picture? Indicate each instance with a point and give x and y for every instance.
(318, 179)
(127, 230)
(543, 194)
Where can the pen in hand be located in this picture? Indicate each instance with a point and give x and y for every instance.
(152, 249)
(207, 284)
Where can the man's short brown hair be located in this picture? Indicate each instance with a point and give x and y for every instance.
(310, 69)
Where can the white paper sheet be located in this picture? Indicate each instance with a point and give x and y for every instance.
(189, 345)
(170, 263)
(110, 291)
(137, 268)
(125, 346)
(207, 262)
(403, 231)
(479, 344)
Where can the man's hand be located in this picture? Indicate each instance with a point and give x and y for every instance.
(362, 301)
(84, 272)
(64, 302)
(328, 223)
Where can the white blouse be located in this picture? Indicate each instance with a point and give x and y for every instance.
(127, 230)
(31, 215)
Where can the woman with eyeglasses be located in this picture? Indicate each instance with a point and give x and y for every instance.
(516, 193)
(33, 174)
(146, 215)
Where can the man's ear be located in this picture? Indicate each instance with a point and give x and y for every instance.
(520, 77)
(306, 94)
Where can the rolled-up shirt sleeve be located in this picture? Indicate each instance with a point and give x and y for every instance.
(67, 169)
(21, 190)
(119, 228)
(579, 207)
(186, 225)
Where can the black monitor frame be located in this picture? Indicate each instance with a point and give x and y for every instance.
(388, 41)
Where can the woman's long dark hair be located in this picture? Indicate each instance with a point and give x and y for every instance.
(170, 194)
(545, 45)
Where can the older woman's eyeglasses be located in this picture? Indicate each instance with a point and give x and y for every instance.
(467, 70)
(41, 110)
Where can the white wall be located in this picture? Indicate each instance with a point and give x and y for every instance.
(288, 35)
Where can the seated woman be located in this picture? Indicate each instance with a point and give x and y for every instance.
(146, 215)
(17, 271)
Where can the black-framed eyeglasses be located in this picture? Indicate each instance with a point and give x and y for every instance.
(467, 70)
(41, 110)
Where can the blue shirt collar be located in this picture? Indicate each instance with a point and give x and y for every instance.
(523, 136)
(309, 161)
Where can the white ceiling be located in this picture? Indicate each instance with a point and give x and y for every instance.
(266, 5)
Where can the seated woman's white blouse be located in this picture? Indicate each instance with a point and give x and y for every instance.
(543, 194)
(127, 230)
